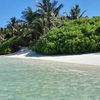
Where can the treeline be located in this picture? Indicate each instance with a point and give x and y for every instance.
(32, 25)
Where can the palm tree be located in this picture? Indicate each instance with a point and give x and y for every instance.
(12, 24)
(14, 27)
(2, 35)
(47, 8)
(75, 13)
(28, 15)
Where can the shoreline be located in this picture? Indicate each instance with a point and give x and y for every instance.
(86, 59)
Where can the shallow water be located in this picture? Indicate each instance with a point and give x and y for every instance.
(22, 79)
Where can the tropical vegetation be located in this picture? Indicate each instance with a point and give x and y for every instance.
(72, 37)
(46, 31)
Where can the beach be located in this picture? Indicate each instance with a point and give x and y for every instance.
(88, 59)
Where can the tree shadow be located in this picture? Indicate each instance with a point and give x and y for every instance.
(33, 54)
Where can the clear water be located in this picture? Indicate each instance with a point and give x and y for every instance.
(22, 79)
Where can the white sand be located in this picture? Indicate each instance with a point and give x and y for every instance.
(90, 59)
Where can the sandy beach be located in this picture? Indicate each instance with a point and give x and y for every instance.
(89, 59)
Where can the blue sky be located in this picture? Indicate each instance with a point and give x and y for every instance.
(11, 8)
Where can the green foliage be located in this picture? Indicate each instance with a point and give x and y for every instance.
(75, 13)
(10, 46)
(72, 37)
(65, 36)
(48, 9)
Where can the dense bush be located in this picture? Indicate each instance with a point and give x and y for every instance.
(10, 45)
(72, 37)
(13, 44)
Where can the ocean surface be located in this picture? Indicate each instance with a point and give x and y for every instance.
(26, 79)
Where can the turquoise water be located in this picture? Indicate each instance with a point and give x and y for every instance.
(22, 79)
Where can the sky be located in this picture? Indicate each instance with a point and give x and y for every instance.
(13, 8)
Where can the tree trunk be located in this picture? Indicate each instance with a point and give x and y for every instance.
(48, 13)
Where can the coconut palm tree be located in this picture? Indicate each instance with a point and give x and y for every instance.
(14, 27)
(75, 13)
(12, 24)
(47, 8)
(28, 15)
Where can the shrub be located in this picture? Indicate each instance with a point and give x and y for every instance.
(9, 46)
(97, 30)
(72, 37)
